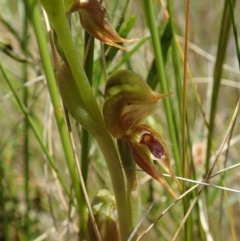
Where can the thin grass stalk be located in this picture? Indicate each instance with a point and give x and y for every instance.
(180, 110)
(118, 26)
(151, 20)
(208, 176)
(186, 203)
(83, 186)
(127, 55)
(35, 131)
(184, 95)
(34, 16)
(222, 46)
(224, 194)
(124, 31)
(122, 15)
(235, 31)
(230, 214)
(114, 8)
(85, 140)
(25, 43)
(177, 70)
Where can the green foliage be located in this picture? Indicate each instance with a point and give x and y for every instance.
(41, 179)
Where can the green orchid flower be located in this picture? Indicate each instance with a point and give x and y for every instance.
(128, 102)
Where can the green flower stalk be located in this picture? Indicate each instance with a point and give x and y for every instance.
(128, 102)
(79, 100)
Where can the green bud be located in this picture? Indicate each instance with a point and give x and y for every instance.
(105, 213)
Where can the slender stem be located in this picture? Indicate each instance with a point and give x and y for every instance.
(85, 140)
(222, 46)
(133, 194)
(59, 21)
(150, 17)
(26, 131)
(84, 190)
(235, 30)
(184, 96)
(184, 115)
(35, 18)
(115, 169)
(35, 130)
(56, 14)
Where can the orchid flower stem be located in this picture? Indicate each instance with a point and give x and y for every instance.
(92, 116)
(133, 194)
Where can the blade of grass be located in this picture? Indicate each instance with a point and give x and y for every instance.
(219, 152)
(84, 190)
(186, 203)
(112, 51)
(166, 40)
(231, 4)
(35, 18)
(222, 46)
(35, 130)
(25, 43)
(85, 141)
(151, 20)
(224, 195)
(128, 55)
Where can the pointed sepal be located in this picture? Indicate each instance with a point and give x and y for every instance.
(95, 20)
(146, 144)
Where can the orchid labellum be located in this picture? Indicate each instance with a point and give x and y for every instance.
(128, 101)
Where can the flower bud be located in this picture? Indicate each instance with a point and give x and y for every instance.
(96, 21)
(105, 213)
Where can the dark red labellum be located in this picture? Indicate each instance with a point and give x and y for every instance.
(153, 145)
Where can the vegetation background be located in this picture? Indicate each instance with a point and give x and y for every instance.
(33, 203)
